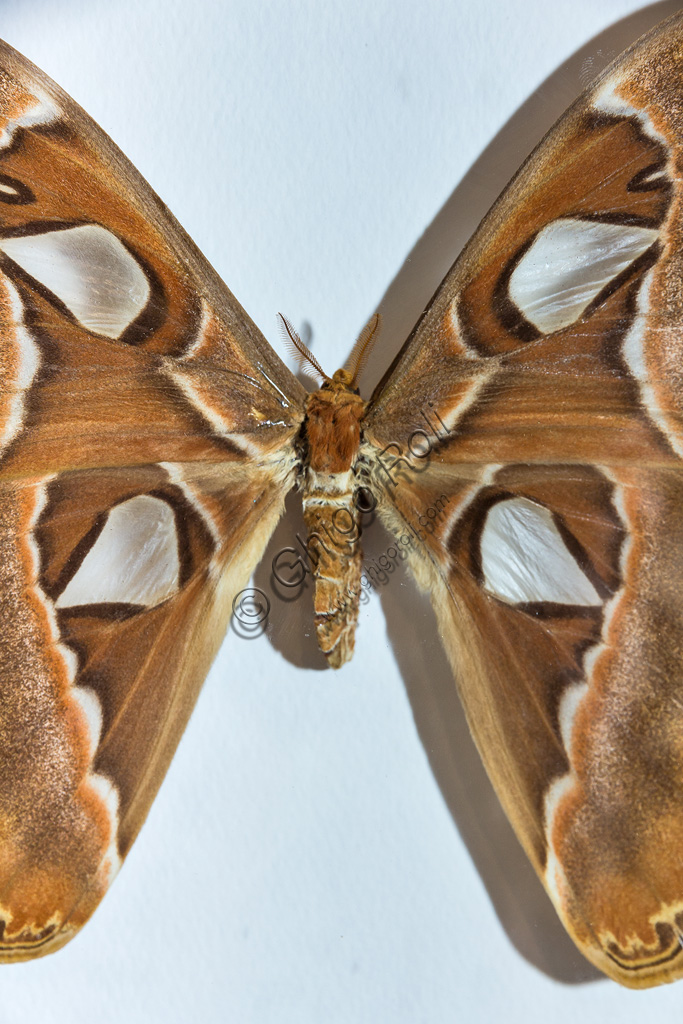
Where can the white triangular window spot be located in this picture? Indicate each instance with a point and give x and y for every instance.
(134, 559)
(568, 264)
(90, 270)
(524, 558)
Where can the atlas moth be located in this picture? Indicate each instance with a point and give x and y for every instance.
(149, 436)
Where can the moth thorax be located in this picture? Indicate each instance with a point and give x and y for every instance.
(332, 428)
(332, 440)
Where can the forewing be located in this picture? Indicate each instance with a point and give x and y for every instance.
(527, 443)
(146, 445)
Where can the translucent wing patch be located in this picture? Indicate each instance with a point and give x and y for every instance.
(525, 559)
(568, 265)
(89, 270)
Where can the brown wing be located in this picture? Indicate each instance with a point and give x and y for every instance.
(146, 445)
(528, 444)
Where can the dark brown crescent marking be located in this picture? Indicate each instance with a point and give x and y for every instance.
(508, 313)
(56, 127)
(596, 120)
(75, 559)
(155, 312)
(22, 193)
(638, 267)
(627, 220)
(186, 518)
(45, 227)
(639, 182)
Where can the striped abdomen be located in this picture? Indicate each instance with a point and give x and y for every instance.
(333, 525)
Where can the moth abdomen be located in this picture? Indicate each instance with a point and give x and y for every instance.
(334, 550)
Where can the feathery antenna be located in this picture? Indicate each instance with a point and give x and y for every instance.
(362, 348)
(301, 352)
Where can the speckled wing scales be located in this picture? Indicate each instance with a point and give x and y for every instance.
(146, 445)
(528, 443)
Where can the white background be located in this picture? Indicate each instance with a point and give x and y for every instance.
(326, 847)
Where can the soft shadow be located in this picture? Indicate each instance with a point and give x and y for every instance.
(282, 576)
(518, 897)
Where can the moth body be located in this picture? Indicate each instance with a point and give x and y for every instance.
(331, 436)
